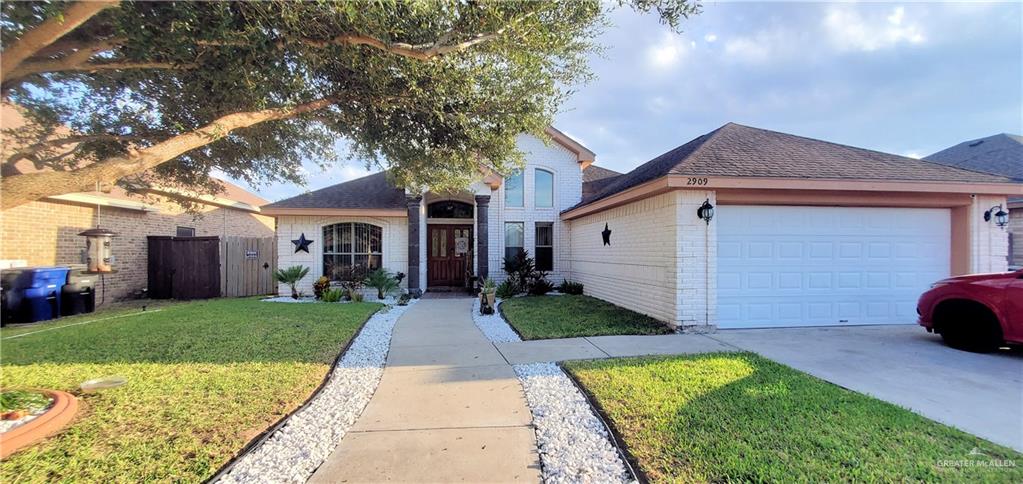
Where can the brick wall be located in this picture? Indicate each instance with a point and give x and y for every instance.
(697, 248)
(45, 233)
(639, 270)
(989, 244)
(395, 245)
(1016, 229)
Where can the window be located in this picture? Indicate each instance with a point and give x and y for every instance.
(544, 189)
(449, 209)
(348, 245)
(513, 190)
(514, 238)
(544, 246)
(185, 232)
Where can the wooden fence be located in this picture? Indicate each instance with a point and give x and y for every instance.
(248, 265)
(207, 267)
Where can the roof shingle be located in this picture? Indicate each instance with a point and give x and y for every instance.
(370, 192)
(735, 150)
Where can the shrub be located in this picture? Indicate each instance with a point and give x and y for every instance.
(569, 287)
(355, 296)
(539, 285)
(520, 269)
(352, 279)
(384, 282)
(333, 295)
(506, 289)
(321, 285)
(291, 276)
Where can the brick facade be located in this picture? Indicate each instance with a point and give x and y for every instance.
(45, 233)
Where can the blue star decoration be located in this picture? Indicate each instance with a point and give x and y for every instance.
(302, 244)
(606, 234)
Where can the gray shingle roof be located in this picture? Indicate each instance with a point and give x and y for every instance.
(596, 178)
(372, 191)
(1001, 154)
(741, 151)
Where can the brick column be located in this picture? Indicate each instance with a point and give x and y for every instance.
(483, 234)
(414, 204)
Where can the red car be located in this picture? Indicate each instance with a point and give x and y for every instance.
(975, 313)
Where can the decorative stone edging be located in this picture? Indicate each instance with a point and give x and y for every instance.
(575, 444)
(60, 413)
(297, 445)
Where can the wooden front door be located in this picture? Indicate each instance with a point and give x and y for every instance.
(448, 254)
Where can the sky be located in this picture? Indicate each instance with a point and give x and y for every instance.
(904, 78)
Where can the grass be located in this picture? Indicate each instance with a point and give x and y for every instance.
(568, 316)
(30, 401)
(740, 417)
(204, 378)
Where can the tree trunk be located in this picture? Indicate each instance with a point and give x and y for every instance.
(21, 189)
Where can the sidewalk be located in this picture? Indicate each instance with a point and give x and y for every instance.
(449, 408)
(608, 346)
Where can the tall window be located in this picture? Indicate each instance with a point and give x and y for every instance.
(351, 244)
(543, 189)
(545, 246)
(514, 238)
(513, 190)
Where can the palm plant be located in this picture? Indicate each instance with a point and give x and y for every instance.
(383, 281)
(291, 276)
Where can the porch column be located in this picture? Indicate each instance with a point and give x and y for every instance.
(414, 203)
(482, 235)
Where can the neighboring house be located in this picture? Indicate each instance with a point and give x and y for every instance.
(45, 232)
(806, 232)
(1001, 154)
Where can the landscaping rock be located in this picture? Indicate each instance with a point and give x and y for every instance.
(298, 447)
(493, 326)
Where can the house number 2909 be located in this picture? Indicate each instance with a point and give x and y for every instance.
(696, 181)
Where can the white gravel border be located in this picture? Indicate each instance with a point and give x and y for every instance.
(297, 448)
(493, 326)
(574, 444)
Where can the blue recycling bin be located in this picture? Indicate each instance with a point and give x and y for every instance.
(40, 299)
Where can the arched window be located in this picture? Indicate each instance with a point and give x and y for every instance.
(543, 189)
(449, 209)
(351, 245)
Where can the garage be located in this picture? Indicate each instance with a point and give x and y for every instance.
(784, 266)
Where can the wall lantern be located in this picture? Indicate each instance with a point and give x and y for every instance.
(706, 211)
(1001, 216)
(97, 249)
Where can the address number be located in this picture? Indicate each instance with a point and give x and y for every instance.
(693, 181)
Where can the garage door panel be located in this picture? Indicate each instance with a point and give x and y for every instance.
(806, 266)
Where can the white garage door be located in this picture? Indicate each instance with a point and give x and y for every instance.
(816, 266)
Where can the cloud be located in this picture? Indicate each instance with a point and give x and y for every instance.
(710, 38)
(667, 52)
(849, 29)
(761, 47)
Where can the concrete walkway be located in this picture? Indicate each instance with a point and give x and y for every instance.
(608, 346)
(449, 408)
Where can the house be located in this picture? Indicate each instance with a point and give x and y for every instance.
(45, 232)
(801, 231)
(1001, 154)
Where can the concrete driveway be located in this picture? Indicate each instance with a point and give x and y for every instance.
(979, 393)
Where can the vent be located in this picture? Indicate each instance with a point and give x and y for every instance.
(976, 143)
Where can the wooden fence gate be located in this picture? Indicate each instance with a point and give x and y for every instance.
(248, 265)
(183, 267)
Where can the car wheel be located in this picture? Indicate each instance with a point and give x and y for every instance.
(979, 337)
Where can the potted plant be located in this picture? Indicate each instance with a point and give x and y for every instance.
(489, 290)
(291, 276)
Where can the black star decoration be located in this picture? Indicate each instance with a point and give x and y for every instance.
(606, 234)
(302, 244)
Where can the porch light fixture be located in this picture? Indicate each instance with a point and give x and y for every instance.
(1001, 216)
(706, 211)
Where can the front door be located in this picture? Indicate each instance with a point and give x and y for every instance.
(448, 254)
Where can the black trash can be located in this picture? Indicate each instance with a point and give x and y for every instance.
(78, 296)
(11, 294)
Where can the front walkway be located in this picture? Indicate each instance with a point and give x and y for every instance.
(449, 408)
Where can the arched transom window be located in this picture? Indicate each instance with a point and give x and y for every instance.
(351, 245)
(449, 209)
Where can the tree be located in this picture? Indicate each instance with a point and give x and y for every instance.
(137, 92)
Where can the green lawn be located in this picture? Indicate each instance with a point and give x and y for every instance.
(739, 417)
(568, 316)
(204, 378)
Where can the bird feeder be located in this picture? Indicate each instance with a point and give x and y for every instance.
(97, 249)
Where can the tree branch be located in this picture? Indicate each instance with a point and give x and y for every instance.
(49, 31)
(21, 189)
(74, 63)
(52, 143)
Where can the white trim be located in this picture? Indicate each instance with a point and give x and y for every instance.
(104, 201)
